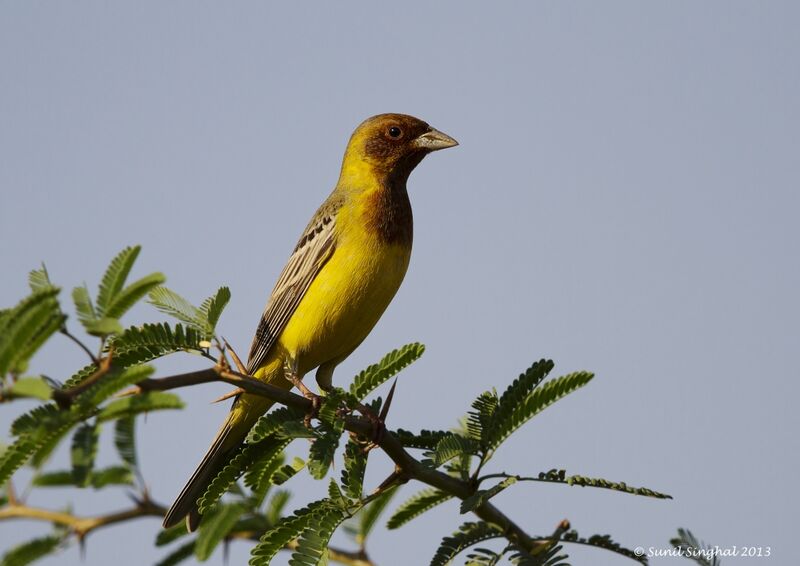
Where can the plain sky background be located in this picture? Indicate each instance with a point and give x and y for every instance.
(624, 200)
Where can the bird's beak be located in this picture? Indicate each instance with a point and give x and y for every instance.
(434, 140)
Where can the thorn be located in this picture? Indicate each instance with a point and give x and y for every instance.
(228, 395)
(388, 403)
(398, 476)
(240, 366)
(134, 498)
(562, 528)
(135, 390)
(226, 551)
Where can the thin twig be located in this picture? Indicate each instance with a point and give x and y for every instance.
(65, 397)
(81, 527)
(239, 365)
(11, 493)
(80, 343)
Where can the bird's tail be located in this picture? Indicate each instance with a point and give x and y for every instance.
(230, 437)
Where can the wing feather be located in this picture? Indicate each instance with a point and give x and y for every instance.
(309, 256)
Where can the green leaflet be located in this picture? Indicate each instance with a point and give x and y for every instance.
(203, 319)
(479, 420)
(481, 496)
(485, 557)
(335, 400)
(79, 376)
(34, 440)
(15, 456)
(467, 535)
(144, 343)
(114, 277)
(225, 478)
(453, 446)
(522, 405)
(59, 478)
(171, 303)
(514, 394)
(287, 471)
(355, 465)
(312, 546)
(272, 423)
(416, 505)
(141, 403)
(261, 459)
(178, 555)
(605, 542)
(114, 299)
(321, 453)
(26, 326)
(368, 516)
(131, 294)
(125, 440)
(83, 452)
(31, 551)
(104, 326)
(426, 439)
(288, 529)
(33, 419)
(268, 461)
(109, 384)
(546, 557)
(276, 505)
(215, 528)
(51, 438)
(338, 498)
(83, 304)
(31, 387)
(213, 306)
(113, 475)
(391, 364)
(700, 551)
(140, 344)
(560, 476)
(39, 279)
(166, 536)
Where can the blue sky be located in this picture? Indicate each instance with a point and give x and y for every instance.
(624, 200)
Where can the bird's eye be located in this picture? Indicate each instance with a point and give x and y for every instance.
(394, 132)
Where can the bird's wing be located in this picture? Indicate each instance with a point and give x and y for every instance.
(309, 256)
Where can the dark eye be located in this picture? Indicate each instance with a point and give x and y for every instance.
(394, 132)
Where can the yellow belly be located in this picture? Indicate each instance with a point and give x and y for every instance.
(344, 302)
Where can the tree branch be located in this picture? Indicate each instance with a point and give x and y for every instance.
(411, 468)
(65, 397)
(82, 526)
(77, 341)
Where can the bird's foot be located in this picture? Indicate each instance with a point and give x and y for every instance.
(316, 400)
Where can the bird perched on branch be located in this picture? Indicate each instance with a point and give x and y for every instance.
(340, 278)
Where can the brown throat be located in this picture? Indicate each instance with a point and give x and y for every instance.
(390, 215)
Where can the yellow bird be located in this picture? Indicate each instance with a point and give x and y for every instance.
(337, 283)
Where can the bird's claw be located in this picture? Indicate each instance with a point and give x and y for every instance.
(290, 369)
(316, 403)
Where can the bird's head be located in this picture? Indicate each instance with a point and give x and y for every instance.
(389, 146)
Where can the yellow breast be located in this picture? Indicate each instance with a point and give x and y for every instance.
(350, 293)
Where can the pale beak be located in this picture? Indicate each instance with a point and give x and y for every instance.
(434, 140)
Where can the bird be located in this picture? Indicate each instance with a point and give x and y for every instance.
(344, 271)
